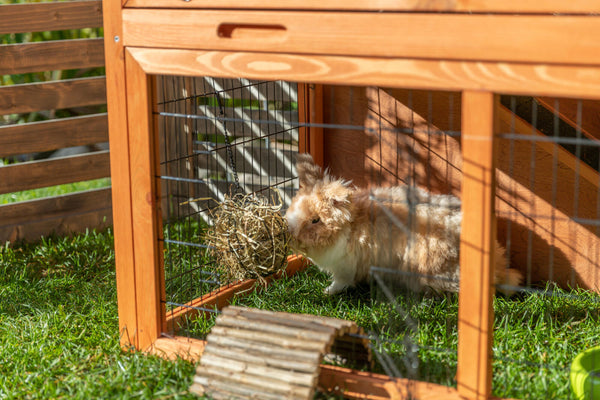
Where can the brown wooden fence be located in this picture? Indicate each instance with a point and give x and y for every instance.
(65, 213)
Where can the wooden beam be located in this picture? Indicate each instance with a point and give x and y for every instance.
(146, 206)
(121, 180)
(542, 80)
(471, 6)
(541, 38)
(310, 111)
(52, 95)
(475, 313)
(61, 215)
(53, 134)
(56, 171)
(583, 115)
(40, 17)
(51, 55)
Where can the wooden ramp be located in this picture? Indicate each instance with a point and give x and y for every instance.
(257, 354)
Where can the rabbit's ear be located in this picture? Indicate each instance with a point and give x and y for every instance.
(309, 173)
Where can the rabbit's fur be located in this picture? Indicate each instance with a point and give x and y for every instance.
(345, 231)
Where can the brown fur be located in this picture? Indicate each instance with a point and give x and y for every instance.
(345, 231)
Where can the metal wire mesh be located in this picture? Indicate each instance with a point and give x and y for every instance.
(547, 212)
(217, 137)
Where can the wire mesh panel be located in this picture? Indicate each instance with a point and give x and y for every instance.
(384, 220)
(547, 207)
(218, 137)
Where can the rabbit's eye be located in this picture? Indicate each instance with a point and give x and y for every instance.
(316, 220)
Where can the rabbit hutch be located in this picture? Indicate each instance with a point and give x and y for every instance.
(493, 103)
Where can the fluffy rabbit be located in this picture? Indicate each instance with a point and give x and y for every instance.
(345, 231)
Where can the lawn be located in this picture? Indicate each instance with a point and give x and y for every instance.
(59, 332)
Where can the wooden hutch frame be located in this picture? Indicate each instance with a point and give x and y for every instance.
(480, 48)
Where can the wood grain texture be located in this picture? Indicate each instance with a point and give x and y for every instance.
(541, 39)
(475, 312)
(51, 55)
(512, 6)
(53, 134)
(120, 178)
(505, 77)
(176, 347)
(146, 206)
(52, 95)
(44, 173)
(40, 17)
(60, 215)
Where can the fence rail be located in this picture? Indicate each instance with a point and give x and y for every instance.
(26, 148)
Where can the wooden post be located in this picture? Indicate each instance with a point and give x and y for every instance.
(120, 177)
(310, 111)
(475, 315)
(146, 209)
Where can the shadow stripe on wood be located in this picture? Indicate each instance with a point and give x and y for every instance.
(19, 18)
(52, 95)
(38, 174)
(53, 134)
(51, 55)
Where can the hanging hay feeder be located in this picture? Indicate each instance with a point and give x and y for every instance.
(249, 237)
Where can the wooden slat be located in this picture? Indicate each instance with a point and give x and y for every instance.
(542, 39)
(145, 200)
(53, 95)
(44, 173)
(60, 215)
(172, 348)
(39, 17)
(511, 6)
(120, 177)
(568, 110)
(542, 80)
(51, 56)
(475, 313)
(53, 134)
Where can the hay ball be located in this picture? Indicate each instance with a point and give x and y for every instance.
(249, 237)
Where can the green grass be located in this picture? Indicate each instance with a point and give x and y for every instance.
(59, 331)
(59, 334)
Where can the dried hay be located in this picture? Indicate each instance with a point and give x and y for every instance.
(249, 237)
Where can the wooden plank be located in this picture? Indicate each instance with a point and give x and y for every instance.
(175, 347)
(40, 17)
(580, 114)
(542, 39)
(51, 55)
(146, 206)
(61, 215)
(511, 6)
(120, 177)
(542, 80)
(222, 296)
(53, 134)
(52, 95)
(475, 313)
(44, 173)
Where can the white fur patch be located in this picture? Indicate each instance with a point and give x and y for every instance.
(294, 214)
